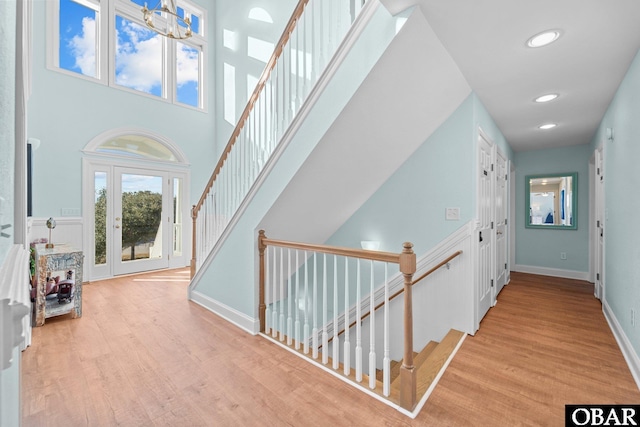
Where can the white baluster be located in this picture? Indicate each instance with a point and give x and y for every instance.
(314, 332)
(386, 363)
(305, 48)
(313, 43)
(347, 344)
(297, 324)
(298, 66)
(282, 330)
(267, 288)
(336, 341)
(358, 325)
(321, 58)
(274, 332)
(372, 333)
(306, 304)
(289, 299)
(325, 335)
(290, 98)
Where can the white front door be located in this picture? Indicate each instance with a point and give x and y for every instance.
(140, 219)
(485, 231)
(501, 222)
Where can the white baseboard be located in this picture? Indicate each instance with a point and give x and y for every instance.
(556, 272)
(232, 315)
(627, 349)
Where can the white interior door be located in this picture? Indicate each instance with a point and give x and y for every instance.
(501, 222)
(140, 220)
(599, 224)
(485, 231)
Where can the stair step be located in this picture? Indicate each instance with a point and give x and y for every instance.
(431, 366)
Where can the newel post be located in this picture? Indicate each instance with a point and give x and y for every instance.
(408, 383)
(194, 217)
(262, 307)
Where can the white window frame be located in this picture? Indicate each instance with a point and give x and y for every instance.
(106, 47)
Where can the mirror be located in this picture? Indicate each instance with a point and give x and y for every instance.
(551, 201)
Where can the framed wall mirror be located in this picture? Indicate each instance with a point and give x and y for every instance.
(551, 201)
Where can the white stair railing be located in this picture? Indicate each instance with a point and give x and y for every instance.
(310, 39)
(339, 271)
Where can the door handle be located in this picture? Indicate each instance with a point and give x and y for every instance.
(117, 226)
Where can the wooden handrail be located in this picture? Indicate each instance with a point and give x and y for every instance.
(336, 250)
(440, 264)
(432, 270)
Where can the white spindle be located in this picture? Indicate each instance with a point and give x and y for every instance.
(336, 341)
(306, 304)
(267, 288)
(297, 324)
(315, 305)
(282, 331)
(386, 362)
(372, 333)
(347, 322)
(313, 42)
(304, 56)
(358, 324)
(325, 335)
(289, 300)
(274, 332)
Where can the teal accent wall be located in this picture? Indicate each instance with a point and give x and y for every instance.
(410, 206)
(541, 248)
(66, 112)
(622, 203)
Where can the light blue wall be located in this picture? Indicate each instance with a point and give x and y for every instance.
(10, 377)
(230, 279)
(622, 203)
(66, 112)
(411, 205)
(541, 248)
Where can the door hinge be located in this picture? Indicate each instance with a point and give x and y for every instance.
(505, 265)
(485, 173)
(597, 276)
(491, 167)
(506, 221)
(492, 225)
(506, 177)
(492, 283)
(598, 224)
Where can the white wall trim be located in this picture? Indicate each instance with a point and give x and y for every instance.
(556, 272)
(627, 349)
(230, 314)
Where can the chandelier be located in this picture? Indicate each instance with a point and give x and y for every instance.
(177, 27)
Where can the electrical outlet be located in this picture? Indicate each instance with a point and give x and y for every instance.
(563, 255)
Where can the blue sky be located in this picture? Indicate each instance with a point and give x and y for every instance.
(138, 59)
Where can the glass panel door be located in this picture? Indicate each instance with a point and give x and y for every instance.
(141, 203)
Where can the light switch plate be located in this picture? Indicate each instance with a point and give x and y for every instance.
(452, 214)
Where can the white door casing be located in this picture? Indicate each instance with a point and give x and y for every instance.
(599, 288)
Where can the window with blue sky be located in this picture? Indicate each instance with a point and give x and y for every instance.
(139, 58)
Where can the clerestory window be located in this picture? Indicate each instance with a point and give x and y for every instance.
(108, 42)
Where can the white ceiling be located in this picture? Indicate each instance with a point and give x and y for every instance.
(487, 39)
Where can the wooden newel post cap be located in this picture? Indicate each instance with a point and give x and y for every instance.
(407, 259)
(261, 236)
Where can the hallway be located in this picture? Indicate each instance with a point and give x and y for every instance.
(142, 355)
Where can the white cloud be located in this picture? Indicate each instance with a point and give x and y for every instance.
(188, 64)
(138, 57)
(83, 47)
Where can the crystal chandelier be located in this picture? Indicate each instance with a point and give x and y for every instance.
(177, 27)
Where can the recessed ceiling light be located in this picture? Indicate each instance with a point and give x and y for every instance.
(546, 98)
(547, 126)
(543, 38)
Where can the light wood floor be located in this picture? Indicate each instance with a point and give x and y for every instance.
(142, 355)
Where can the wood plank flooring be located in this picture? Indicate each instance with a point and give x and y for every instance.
(142, 355)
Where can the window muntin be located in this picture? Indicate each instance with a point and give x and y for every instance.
(107, 41)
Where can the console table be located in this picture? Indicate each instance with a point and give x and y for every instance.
(63, 261)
